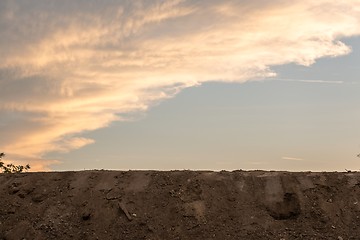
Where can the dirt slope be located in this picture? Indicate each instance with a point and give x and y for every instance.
(180, 205)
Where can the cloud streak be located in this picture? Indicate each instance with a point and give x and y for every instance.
(292, 158)
(309, 80)
(77, 66)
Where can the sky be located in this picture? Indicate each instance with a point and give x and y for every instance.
(200, 84)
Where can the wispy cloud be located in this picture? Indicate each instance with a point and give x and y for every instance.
(309, 81)
(292, 158)
(74, 66)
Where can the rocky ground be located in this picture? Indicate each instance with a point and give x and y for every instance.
(180, 205)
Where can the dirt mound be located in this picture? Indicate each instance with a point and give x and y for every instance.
(179, 205)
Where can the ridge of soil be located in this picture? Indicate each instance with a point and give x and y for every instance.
(180, 205)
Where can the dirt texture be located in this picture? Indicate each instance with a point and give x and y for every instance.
(180, 205)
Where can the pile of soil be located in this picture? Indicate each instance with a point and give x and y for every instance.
(180, 205)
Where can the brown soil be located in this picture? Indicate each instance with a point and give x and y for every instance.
(180, 205)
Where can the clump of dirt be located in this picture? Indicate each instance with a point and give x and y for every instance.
(180, 205)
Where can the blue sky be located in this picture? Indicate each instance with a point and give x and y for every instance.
(269, 124)
(180, 84)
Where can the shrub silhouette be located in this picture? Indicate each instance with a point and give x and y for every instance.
(11, 168)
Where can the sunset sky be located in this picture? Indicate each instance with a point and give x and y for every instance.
(180, 84)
